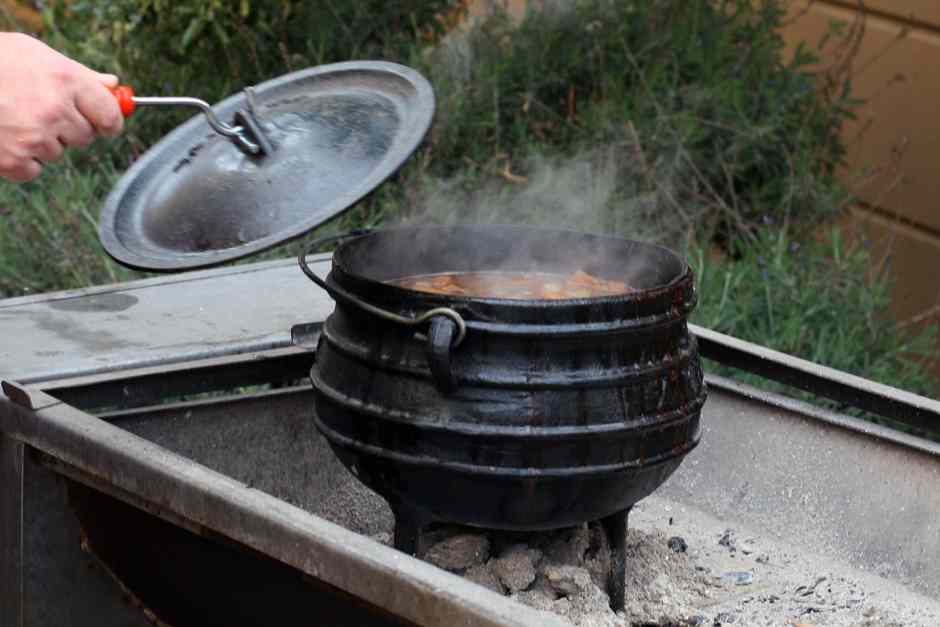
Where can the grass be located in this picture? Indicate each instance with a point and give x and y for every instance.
(815, 299)
(48, 230)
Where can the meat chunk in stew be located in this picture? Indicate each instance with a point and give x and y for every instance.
(515, 285)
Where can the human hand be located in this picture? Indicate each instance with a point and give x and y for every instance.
(48, 102)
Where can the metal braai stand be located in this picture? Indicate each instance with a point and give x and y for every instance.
(189, 503)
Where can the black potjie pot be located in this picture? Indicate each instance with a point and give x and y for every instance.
(508, 414)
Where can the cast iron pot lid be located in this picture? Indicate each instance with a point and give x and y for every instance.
(195, 200)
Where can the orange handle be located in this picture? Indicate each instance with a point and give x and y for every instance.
(125, 99)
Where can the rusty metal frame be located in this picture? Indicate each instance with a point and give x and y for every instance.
(118, 463)
(286, 365)
(11, 531)
(918, 412)
(158, 385)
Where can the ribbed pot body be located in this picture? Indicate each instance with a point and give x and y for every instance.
(561, 412)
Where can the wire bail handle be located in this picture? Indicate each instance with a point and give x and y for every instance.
(447, 328)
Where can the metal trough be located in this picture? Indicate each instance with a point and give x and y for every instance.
(211, 510)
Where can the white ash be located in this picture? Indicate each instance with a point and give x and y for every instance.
(383, 537)
(516, 567)
(726, 575)
(565, 572)
(481, 575)
(753, 580)
(721, 578)
(459, 552)
(663, 586)
(355, 507)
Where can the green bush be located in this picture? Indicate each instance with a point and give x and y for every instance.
(701, 88)
(728, 131)
(48, 231)
(814, 300)
(212, 48)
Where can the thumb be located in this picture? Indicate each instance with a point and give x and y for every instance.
(108, 80)
(99, 106)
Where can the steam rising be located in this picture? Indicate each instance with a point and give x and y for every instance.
(615, 187)
(602, 190)
(594, 191)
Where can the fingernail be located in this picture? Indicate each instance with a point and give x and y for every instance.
(109, 80)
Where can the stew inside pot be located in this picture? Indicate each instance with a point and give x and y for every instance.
(515, 285)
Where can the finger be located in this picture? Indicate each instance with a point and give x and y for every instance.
(98, 105)
(108, 80)
(48, 151)
(23, 171)
(76, 131)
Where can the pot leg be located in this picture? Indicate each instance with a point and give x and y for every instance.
(408, 526)
(615, 527)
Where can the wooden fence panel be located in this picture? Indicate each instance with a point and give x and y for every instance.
(897, 134)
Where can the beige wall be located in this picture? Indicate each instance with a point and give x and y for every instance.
(897, 135)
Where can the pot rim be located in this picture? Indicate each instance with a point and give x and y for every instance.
(341, 273)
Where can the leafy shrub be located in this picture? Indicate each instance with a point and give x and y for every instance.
(701, 88)
(48, 231)
(212, 48)
(814, 300)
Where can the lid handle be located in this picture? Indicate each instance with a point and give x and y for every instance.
(245, 136)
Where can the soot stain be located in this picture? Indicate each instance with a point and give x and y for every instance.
(102, 303)
(68, 329)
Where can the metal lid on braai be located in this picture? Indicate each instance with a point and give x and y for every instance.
(332, 134)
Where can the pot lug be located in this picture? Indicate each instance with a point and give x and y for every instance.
(306, 335)
(441, 336)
